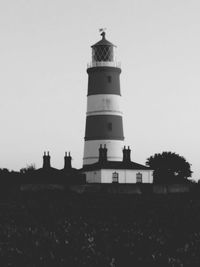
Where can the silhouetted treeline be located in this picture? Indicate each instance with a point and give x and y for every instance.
(40, 176)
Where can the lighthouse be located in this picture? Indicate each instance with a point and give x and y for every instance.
(104, 123)
(106, 159)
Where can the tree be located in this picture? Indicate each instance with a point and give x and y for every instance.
(4, 171)
(28, 170)
(169, 168)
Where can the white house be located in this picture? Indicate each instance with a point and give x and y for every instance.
(123, 172)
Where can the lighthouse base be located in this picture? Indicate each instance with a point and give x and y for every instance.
(91, 150)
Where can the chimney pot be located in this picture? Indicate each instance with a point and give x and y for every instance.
(67, 161)
(46, 160)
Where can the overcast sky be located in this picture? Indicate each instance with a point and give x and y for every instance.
(44, 51)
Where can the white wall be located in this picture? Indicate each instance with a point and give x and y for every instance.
(93, 176)
(125, 176)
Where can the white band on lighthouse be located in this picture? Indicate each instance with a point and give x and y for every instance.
(103, 105)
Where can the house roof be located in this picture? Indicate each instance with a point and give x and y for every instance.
(115, 165)
(51, 171)
(69, 171)
(47, 170)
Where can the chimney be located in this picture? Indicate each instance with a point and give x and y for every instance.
(102, 154)
(105, 153)
(46, 160)
(126, 154)
(67, 160)
(128, 151)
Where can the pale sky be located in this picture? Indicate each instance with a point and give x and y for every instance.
(44, 51)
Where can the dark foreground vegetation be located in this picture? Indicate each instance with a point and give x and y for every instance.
(60, 228)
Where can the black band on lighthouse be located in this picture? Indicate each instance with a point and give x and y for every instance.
(101, 127)
(104, 80)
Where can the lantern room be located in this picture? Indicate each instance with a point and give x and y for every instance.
(103, 53)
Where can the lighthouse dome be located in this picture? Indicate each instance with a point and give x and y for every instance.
(103, 42)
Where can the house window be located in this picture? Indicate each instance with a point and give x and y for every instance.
(109, 78)
(138, 177)
(115, 177)
(110, 126)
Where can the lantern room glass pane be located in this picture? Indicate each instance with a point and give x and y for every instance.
(102, 53)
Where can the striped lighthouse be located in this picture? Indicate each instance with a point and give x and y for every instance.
(104, 126)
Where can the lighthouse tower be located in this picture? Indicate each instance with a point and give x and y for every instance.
(104, 126)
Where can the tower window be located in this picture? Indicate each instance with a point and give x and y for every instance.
(115, 177)
(110, 126)
(138, 177)
(109, 78)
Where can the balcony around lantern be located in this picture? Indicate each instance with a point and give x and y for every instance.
(104, 64)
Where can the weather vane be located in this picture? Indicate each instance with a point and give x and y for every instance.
(103, 32)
